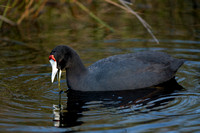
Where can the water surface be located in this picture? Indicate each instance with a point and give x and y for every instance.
(29, 101)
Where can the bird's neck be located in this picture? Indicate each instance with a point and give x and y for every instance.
(75, 72)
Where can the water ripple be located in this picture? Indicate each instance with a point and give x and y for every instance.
(150, 40)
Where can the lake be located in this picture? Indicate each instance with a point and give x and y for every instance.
(29, 101)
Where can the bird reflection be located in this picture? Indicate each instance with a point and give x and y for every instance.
(68, 115)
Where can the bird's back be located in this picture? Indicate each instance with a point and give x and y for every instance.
(131, 71)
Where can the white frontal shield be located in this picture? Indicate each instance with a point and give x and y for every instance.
(54, 69)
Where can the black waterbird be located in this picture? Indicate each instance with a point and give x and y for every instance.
(115, 73)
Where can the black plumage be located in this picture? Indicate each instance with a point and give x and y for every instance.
(118, 72)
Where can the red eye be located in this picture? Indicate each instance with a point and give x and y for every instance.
(52, 57)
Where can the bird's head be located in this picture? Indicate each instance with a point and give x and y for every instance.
(60, 59)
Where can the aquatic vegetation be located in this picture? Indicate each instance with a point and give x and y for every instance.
(17, 11)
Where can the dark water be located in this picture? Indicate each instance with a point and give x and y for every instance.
(29, 101)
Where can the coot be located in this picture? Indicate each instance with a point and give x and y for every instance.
(114, 73)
